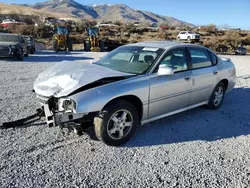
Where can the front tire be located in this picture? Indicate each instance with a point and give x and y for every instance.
(54, 45)
(217, 96)
(20, 55)
(32, 51)
(116, 123)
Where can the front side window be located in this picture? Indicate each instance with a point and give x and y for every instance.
(176, 59)
(131, 59)
(22, 40)
(200, 58)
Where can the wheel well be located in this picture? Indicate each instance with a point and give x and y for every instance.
(225, 82)
(133, 100)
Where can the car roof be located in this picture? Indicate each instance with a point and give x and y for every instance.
(9, 34)
(164, 44)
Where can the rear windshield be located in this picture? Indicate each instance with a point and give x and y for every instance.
(8, 38)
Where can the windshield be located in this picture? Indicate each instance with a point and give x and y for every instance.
(8, 38)
(131, 59)
(191, 32)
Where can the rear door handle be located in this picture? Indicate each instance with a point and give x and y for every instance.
(215, 72)
(187, 78)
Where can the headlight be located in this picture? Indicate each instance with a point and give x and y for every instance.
(68, 105)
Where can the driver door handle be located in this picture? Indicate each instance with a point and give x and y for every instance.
(215, 72)
(187, 78)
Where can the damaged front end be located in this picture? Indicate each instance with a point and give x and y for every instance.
(69, 93)
(61, 112)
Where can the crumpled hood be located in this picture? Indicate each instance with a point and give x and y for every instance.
(68, 76)
(7, 43)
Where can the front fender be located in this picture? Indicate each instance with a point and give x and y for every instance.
(94, 100)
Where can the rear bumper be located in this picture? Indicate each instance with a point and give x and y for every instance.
(240, 52)
(195, 39)
(232, 83)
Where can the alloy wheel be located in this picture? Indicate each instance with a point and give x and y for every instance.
(120, 124)
(218, 96)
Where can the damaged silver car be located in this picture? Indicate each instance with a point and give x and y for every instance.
(133, 85)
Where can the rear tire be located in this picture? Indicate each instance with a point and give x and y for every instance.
(116, 123)
(54, 46)
(217, 97)
(70, 45)
(32, 51)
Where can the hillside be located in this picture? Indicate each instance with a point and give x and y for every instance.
(6, 9)
(104, 12)
(68, 7)
(124, 13)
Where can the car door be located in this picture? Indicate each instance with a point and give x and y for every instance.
(183, 35)
(170, 93)
(204, 74)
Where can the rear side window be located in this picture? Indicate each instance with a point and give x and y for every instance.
(200, 58)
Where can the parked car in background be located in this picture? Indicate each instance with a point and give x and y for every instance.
(12, 45)
(10, 22)
(188, 36)
(241, 51)
(31, 46)
(133, 85)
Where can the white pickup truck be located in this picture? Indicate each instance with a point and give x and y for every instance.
(189, 36)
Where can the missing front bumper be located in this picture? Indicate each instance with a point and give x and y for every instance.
(60, 118)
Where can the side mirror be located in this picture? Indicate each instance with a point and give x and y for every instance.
(165, 71)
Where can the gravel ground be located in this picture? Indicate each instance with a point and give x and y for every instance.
(198, 148)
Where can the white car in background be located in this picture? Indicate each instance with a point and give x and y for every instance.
(189, 36)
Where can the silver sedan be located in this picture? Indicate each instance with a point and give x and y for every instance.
(133, 85)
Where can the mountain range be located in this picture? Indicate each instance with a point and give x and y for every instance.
(103, 12)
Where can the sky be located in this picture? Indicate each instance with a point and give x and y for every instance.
(235, 13)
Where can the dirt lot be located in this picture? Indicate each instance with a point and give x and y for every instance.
(198, 148)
